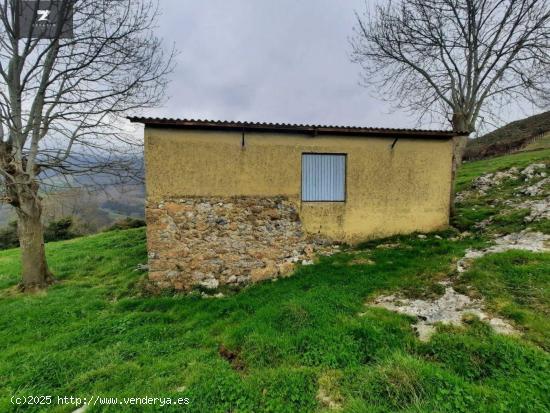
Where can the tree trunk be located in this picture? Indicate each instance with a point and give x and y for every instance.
(459, 144)
(462, 125)
(34, 268)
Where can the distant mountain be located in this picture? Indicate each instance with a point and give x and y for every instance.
(513, 137)
(95, 200)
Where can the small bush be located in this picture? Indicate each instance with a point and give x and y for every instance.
(127, 223)
(59, 230)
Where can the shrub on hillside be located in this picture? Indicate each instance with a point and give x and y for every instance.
(61, 229)
(127, 223)
(58, 230)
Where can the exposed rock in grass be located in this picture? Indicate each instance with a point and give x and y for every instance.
(535, 189)
(524, 240)
(217, 295)
(329, 250)
(488, 181)
(483, 224)
(462, 196)
(482, 184)
(388, 245)
(534, 170)
(539, 209)
(450, 308)
(464, 263)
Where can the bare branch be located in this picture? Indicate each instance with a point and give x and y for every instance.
(460, 55)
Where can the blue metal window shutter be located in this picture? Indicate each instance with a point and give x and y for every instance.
(323, 177)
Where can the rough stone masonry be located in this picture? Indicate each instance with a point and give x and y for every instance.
(214, 241)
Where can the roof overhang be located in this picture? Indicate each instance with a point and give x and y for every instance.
(312, 130)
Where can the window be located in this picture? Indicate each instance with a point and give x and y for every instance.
(323, 177)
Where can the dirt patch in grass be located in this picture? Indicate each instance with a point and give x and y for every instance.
(361, 261)
(233, 357)
(329, 394)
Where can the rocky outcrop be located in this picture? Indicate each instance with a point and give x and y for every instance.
(451, 308)
(536, 189)
(486, 182)
(525, 241)
(209, 242)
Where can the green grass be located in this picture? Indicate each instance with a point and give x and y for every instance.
(520, 292)
(294, 345)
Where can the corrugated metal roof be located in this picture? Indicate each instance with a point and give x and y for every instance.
(293, 128)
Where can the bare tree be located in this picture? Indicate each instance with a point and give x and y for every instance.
(457, 61)
(61, 99)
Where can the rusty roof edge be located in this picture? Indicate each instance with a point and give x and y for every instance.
(289, 128)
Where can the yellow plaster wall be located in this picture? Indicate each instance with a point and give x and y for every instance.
(388, 191)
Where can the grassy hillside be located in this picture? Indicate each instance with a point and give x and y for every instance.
(511, 137)
(542, 143)
(294, 345)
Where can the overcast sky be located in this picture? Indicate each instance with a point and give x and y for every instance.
(267, 60)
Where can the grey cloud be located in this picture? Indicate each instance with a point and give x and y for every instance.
(265, 60)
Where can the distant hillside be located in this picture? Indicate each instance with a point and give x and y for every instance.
(510, 138)
(92, 209)
(96, 201)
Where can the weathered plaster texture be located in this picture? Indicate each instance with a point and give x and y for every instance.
(213, 241)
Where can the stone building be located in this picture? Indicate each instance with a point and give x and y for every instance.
(234, 202)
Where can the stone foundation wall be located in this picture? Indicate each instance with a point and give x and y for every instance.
(212, 241)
